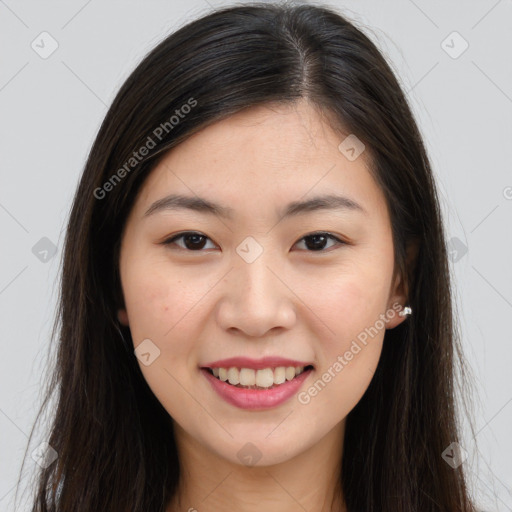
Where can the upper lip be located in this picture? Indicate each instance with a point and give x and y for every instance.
(256, 364)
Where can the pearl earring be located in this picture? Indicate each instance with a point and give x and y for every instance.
(406, 311)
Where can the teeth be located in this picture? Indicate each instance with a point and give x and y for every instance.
(290, 373)
(264, 378)
(247, 376)
(279, 375)
(234, 376)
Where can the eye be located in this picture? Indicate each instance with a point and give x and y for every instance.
(194, 241)
(319, 239)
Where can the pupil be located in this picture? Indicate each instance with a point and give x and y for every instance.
(195, 238)
(316, 245)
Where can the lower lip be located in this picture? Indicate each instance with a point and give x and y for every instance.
(256, 398)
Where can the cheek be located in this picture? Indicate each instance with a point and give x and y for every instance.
(153, 292)
(350, 304)
(350, 307)
(349, 355)
(161, 309)
(148, 300)
(164, 305)
(152, 302)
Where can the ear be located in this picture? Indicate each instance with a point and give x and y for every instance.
(122, 316)
(399, 293)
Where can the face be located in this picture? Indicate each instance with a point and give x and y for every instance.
(314, 287)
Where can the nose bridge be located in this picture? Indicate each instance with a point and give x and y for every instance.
(253, 268)
(257, 300)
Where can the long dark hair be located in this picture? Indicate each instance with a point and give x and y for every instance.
(114, 440)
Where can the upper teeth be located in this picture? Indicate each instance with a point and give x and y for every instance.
(264, 378)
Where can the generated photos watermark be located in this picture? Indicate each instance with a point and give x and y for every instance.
(137, 156)
(304, 397)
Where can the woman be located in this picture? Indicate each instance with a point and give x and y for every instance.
(255, 309)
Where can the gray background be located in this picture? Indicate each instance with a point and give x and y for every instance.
(52, 108)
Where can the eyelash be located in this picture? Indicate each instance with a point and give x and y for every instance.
(171, 240)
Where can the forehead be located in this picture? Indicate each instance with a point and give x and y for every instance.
(268, 154)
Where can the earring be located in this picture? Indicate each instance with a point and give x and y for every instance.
(406, 311)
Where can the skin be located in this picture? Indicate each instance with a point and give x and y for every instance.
(208, 303)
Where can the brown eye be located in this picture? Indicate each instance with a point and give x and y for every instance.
(316, 241)
(192, 240)
(195, 242)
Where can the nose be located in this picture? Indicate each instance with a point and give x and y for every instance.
(256, 299)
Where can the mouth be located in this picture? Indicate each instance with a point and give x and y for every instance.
(263, 378)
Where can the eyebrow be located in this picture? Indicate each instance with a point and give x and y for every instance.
(202, 205)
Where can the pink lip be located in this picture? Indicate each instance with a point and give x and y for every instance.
(256, 364)
(256, 398)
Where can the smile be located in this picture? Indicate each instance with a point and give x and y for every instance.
(255, 396)
(265, 378)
